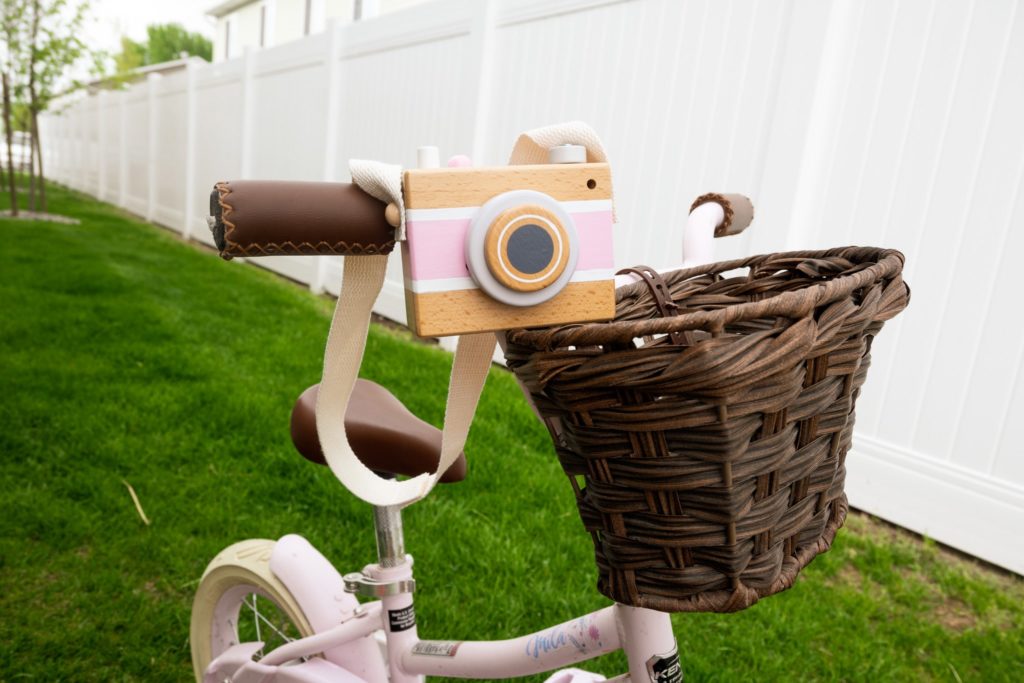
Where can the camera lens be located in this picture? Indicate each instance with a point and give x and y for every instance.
(526, 248)
(530, 249)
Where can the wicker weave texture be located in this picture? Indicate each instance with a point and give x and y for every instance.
(709, 464)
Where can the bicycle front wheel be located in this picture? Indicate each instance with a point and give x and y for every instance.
(239, 600)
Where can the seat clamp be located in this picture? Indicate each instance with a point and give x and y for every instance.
(361, 584)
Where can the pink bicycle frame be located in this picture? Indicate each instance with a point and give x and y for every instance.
(645, 635)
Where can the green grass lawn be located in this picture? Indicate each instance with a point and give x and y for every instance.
(129, 356)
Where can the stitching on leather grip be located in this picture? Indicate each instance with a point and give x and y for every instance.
(223, 190)
(321, 248)
(721, 201)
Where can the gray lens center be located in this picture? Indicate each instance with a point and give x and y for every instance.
(530, 249)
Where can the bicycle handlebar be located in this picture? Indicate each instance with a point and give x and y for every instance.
(277, 217)
(739, 212)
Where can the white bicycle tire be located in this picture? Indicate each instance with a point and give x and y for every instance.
(238, 570)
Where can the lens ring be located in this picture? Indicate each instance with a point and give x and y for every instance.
(526, 248)
(475, 247)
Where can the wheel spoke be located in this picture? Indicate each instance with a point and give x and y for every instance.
(256, 611)
(259, 617)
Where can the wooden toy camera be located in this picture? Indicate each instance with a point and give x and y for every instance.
(505, 247)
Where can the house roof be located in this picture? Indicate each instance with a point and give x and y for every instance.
(227, 7)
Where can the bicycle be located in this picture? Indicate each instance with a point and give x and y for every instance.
(304, 621)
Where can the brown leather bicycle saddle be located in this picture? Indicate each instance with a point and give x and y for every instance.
(384, 434)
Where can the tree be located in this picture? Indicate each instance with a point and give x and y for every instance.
(55, 46)
(164, 43)
(41, 44)
(168, 41)
(131, 56)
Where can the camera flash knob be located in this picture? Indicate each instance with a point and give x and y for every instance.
(428, 156)
(567, 154)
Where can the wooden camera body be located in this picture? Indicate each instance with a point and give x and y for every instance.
(505, 247)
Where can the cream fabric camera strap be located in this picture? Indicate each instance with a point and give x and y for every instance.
(532, 146)
(361, 283)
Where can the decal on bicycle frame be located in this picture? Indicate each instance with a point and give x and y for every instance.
(436, 648)
(665, 668)
(401, 619)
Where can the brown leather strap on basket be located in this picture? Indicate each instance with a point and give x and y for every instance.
(662, 298)
(274, 217)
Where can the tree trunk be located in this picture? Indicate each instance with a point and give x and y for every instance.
(39, 158)
(10, 145)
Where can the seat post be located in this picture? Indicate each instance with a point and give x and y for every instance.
(387, 521)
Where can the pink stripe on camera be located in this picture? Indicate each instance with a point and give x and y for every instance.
(431, 256)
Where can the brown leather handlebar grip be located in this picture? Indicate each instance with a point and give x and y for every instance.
(739, 211)
(279, 217)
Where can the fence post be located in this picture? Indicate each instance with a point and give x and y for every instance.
(50, 137)
(366, 9)
(333, 57)
(63, 158)
(95, 157)
(317, 16)
(154, 125)
(839, 45)
(482, 47)
(191, 74)
(248, 110)
(269, 23)
(83, 144)
(122, 152)
(76, 159)
(79, 144)
(101, 113)
(69, 150)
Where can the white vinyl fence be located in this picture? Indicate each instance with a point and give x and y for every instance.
(883, 123)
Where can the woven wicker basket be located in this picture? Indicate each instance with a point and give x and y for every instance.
(711, 444)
